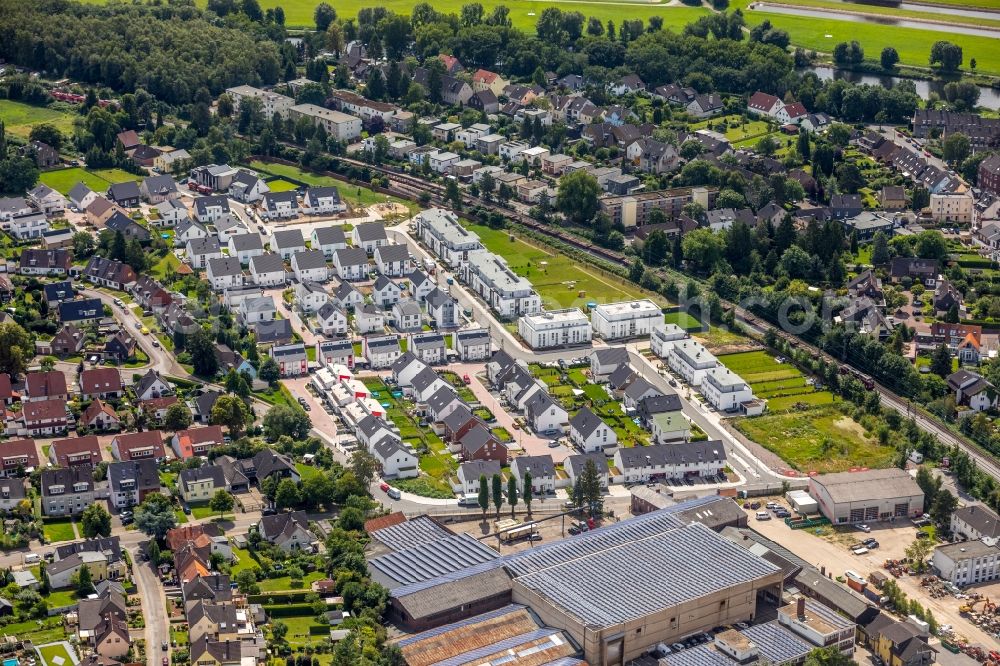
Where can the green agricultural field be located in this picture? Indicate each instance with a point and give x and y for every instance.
(299, 13)
(819, 439)
(19, 118)
(562, 282)
(893, 12)
(771, 380)
(912, 44)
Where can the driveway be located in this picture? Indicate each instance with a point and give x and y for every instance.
(154, 608)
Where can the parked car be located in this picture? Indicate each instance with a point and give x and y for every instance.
(763, 515)
(864, 528)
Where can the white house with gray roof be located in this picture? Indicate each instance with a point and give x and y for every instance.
(310, 266)
(543, 473)
(428, 347)
(472, 344)
(310, 296)
(228, 226)
(347, 295)
(224, 272)
(201, 250)
(406, 367)
(420, 284)
(574, 467)
(385, 292)
(188, 230)
(442, 309)
(408, 315)
(590, 433)
(247, 188)
(425, 384)
(323, 201)
(328, 240)
(291, 359)
(245, 247)
(268, 270)
(396, 459)
(279, 205)
(351, 263)
(369, 235)
(287, 242)
(393, 260)
(380, 350)
(210, 209)
(171, 213)
(332, 319)
(545, 415)
(369, 319)
(255, 309)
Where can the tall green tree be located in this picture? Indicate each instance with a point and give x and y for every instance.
(497, 494)
(527, 492)
(155, 516)
(577, 197)
(231, 412)
(95, 521)
(222, 502)
(941, 361)
(16, 349)
(512, 494)
(484, 494)
(201, 346)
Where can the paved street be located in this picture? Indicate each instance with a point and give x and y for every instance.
(154, 608)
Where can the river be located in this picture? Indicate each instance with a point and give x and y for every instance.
(950, 10)
(988, 97)
(877, 20)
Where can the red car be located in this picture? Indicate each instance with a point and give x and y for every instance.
(467, 379)
(384, 487)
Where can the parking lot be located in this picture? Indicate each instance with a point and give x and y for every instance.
(828, 548)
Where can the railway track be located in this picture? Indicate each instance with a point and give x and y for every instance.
(411, 187)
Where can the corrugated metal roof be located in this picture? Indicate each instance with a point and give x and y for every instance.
(432, 560)
(695, 560)
(700, 655)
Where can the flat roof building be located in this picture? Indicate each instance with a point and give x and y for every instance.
(626, 319)
(339, 125)
(555, 328)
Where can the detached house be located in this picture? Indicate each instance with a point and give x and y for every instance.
(310, 266)
(103, 383)
(472, 344)
(589, 432)
(201, 250)
(268, 270)
(100, 417)
(287, 242)
(394, 260)
(369, 236)
(109, 273)
(351, 263)
(972, 391)
(332, 319)
(68, 491)
(279, 205)
(18, 457)
(224, 273)
(542, 470)
(328, 240)
(288, 531)
(245, 247)
(323, 201)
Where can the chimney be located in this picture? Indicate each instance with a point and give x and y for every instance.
(800, 608)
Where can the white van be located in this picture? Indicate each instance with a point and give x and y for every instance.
(763, 515)
(32, 558)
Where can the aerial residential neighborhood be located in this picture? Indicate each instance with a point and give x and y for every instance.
(581, 334)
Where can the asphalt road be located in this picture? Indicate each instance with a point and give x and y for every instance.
(154, 608)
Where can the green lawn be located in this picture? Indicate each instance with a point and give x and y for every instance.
(307, 471)
(38, 632)
(816, 440)
(683, 319)
(201, 510)
(169, 261)
(561, 281)
(281, 185)
(63, 180)
(285, 583)
(734, 128)
(244, 561)
(55, 655)
(59, 529)
(912, 44)
(19, 118)
(298, 630)
(62, 598)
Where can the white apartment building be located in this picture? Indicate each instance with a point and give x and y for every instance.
(724, 389)
(663, 337)
(691, 360)
(555, 328)
(270, 102)
(509, 294)
(342, 126)
(441, 231)
(626, 319)
(968, 562)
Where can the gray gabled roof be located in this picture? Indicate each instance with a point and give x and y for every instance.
(208, 245)
(370, 231)
(539, 466)
(407, 306)
(405, 359)
(390, 253)
(267, 263)
(577, 463)
(424, 378)
(309, 259)
(328, 309)
(330, 235)
(585, 422)
(224, 266)
(202, 204)
(382, 283)
(351, 256)
(288, 238)
(437, 298)
(245, 242)
(611, 355)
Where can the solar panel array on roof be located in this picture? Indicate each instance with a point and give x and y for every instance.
(432, 560)
(416, 532)
(695, 560)
(776, 643)
(700, 655)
